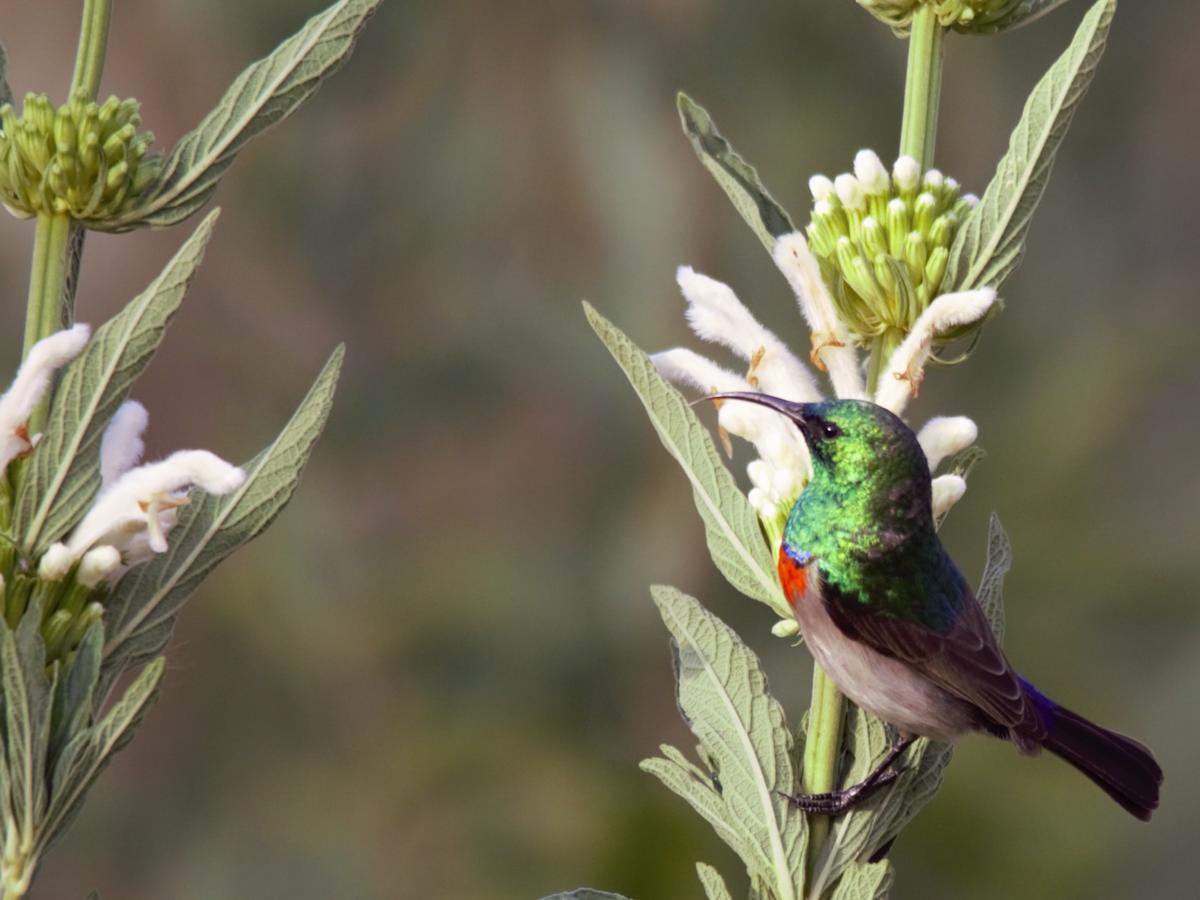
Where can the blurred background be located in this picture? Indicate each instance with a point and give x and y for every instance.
(435, 675)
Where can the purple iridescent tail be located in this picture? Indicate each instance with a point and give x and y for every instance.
(1123, 768)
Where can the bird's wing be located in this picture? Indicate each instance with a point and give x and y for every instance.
(963, 659)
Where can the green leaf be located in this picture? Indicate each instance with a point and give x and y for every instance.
(28, 694)
(62, 476)
(90, 751)
(737, 178)
(865, 881)
(713, 883)
(722, 695)
(585, 894)
(991, 585)
(147, 600)
(6, 94)
(73, 700)
(991, 240)
(735, 539)
(263, 95)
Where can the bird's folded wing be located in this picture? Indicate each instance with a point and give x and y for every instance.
(962, 659)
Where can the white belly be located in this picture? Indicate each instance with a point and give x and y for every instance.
(879, 684)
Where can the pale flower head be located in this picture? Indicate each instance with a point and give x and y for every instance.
(45, 358)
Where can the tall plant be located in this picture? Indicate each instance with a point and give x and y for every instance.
(896, 269)
(98, 550)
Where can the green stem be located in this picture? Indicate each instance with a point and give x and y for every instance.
(821, 752)
(49, 307)
(922, 87)
(93, 42)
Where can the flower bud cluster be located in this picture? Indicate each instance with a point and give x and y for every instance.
(963, 15)
(84, 160)
(883, 241)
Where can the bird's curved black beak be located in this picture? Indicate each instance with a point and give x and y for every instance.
(791, 409)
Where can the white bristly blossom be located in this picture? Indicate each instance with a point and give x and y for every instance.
(45, 358)
(716, 315)
(137, 506)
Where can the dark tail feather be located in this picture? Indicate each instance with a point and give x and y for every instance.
(1122, 767)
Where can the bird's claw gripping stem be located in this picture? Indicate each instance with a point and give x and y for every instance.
(835, 803)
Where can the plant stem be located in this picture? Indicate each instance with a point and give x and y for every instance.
(93, 42)
(821, 752)
(922, 87)
(58, 241)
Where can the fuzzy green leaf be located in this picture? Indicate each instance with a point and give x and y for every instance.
(737, 178)
(263, 95)
(865, 881)
(28, 700)
(90, 751)
(991, 585)
(74, 698)
(735, 539)
(63, 473)
(147, 600)
(713, 883)
(991, 240)
(722, 694)
(6, 94)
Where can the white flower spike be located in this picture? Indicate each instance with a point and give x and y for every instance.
(943, 436)
(902, 377)
(44, 358)
(716, 314)
(870, 172)
(121, 446)
(947, 490)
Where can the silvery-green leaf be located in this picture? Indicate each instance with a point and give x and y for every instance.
(991, 240)
(991, 585)
(722, 695)
(28, 700)
(713, 883)
(262, 96)
(138, 649)
(737, 178)
(585, 894)
(865, 881)
(210, 528)
(735, 539)
(63, 474)
(88, 754)
(6, 94)
(73, 700)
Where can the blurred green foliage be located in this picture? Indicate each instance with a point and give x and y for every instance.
(435, 677)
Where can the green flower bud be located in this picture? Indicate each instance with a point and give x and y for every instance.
(883, 242)
(82, 160)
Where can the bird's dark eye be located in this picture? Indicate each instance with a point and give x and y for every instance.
(829, 430)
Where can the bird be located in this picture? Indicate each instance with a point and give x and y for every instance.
(892, 621)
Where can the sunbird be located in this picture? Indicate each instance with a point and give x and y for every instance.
(892, 621)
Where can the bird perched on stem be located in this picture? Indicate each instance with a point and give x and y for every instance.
(892, 621)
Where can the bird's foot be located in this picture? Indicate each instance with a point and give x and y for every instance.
(834, 803)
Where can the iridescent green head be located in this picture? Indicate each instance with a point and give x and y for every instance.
(854, 444)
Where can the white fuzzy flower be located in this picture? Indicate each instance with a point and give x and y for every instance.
(121, 446)
(831, 341)
(943, 436)
(870, 172)
(33, 377)
(820, 187)
(901, 379)
(850, 191)
(97, 564)
(947, 490)
(716, 314)
(906, 173)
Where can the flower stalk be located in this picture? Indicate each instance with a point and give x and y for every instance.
(922, 86)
